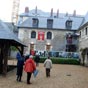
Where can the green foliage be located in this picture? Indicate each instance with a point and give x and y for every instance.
(61, 61)
(13, 48)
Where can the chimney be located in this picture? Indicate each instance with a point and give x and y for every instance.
(66, 14)
(36, 10)
(57, 13)
(52, 12)
(74, 13)
(26, 10)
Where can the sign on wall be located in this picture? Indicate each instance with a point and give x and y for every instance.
(41, 35)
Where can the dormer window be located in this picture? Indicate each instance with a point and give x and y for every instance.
(35, 22)
(68, 24)
(49, 23)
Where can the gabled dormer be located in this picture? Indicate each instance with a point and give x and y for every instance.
(68, 24)
(35, 22)
(49, 23)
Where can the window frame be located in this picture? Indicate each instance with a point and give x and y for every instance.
(68, 24)
(49, 35)
(49, 23)
(35, 22)
(33, 34)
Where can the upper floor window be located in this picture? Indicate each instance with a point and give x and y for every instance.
(68, 24)
(35, 22)
(49, 23)
(33, 34)
(49, 35)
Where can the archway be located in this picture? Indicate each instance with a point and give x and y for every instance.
(84, 55)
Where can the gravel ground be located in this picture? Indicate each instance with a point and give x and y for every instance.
(62, 76)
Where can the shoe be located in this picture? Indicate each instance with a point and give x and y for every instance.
(20, 81)
(29, 83)
(17, 79)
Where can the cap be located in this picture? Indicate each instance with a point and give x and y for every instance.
(31, 56)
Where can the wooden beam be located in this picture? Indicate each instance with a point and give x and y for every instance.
(5, 56)
(1, 59)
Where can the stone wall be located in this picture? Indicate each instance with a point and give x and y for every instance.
(58, 41)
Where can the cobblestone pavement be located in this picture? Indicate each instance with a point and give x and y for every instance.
(62, 76)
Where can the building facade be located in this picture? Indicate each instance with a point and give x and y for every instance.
(49, 31)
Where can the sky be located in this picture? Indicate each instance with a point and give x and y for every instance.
(64, 6)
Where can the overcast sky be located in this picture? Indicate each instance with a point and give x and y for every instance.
(81, 6)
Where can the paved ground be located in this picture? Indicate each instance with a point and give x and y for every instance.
(62, 76)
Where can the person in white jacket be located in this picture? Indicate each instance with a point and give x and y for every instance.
(48, 66)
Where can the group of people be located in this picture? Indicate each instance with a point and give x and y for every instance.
(29, 65)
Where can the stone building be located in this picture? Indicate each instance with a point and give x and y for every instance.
(83, 40)
(49, 31)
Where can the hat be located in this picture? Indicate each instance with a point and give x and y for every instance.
(37, 54)
(31, 56)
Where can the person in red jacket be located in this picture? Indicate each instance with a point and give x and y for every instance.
(29, 67)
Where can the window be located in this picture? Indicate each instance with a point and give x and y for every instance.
(33, 34)
(35, 22)
(68, 24)
(80, 33)
(49, 23)
(49, 35)
(69, 39)
(86, 30)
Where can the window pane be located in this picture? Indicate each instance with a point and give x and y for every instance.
(35, 23)
(50, 23)
(49, 35)
(68, 24)
(33, 34)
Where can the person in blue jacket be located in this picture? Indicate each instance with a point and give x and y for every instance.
(20, 63)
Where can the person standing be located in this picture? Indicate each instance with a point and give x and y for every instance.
(29, 67)
(20, 63)
(37, 59)
(48, 66)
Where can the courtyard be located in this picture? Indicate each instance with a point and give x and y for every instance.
(62, 76)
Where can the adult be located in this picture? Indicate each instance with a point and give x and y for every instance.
(37, 59)
(48, 66)
(29, 67)
(20, 63)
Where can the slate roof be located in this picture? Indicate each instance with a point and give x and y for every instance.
(85, 19)
(7, 34)
(58, 23)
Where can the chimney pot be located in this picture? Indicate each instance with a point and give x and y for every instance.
(26, 10)
(74, 13)
(66, 14)
(52, 12)
(57, 13)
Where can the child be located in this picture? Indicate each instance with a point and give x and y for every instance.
(48, 66)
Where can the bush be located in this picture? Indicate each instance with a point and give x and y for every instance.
(61, 61)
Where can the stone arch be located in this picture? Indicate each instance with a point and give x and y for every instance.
(84, 55)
